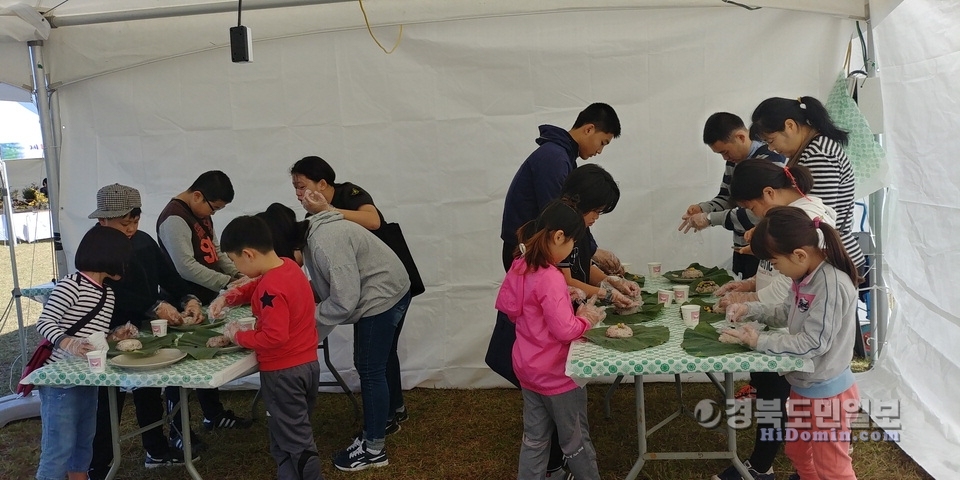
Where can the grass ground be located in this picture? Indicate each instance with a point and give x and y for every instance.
(451, 434)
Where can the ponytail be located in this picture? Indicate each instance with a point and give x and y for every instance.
(752, 175)
(533, 238)
(772, 114)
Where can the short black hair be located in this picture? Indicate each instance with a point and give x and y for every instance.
(103, 249)
(721, 126)
(589, 187)
(246, 231)
(602, 116)
(314, 168)
(214, 185)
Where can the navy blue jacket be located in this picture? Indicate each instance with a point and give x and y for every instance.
(539, 179)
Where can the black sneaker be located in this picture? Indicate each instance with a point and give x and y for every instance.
(794, 476)
(356, 457)
(171, 459)
(731, 473)
(393, 424)
(197, 445)
(227, 419)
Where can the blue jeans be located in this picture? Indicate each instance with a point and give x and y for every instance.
(69, 422)
(372, 342)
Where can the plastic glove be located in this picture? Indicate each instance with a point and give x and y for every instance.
(314, 202)
(736, 311)
(697, 222)
(576, 295)
(693, 210)
(591, 311)
(620, 300)
(747, 285)
(747, 334)
(169, 313)
(230, 331)
(76, 346)
(123, 332)
(608, 262)
(626, 287)
(195, 310)
(243, 280)
(737, 297)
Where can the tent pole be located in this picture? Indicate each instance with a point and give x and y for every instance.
(12, 242)
(51, 150)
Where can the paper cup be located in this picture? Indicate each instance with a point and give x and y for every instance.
(158, 327)
(97, 361)
(691, 315)
(626, 266)
(247, 323)
(681, 293)
(654, 269)
(98, 340)
(665, 297)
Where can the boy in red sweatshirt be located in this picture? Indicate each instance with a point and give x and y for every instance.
(284, 339)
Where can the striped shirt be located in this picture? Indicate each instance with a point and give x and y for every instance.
(723, 211)
(73, 297)
(833, 182)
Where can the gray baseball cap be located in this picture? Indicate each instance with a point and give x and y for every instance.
(114, 201)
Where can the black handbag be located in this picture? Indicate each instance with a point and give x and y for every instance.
(391, 234)
(500, 350)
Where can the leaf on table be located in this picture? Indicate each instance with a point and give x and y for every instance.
(648, 311)
(704, 341)
(201, 326)
(150, 346)
(199, 353)
(633, 277)
(643, 337)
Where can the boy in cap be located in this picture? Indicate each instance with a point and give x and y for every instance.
(149, 289)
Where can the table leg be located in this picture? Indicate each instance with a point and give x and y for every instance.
(609, 395)
(114, 431)
(185, 434)
(731, 432)
(641, 428)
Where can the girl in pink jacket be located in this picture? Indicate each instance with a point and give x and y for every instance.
(534, 296)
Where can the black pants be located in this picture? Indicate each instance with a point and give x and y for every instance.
(769, 386)
(210, 404)
(149, 409)
(745, 265)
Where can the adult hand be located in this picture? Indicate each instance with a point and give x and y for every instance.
(591, 311)
(737, 297)
(314, 202)
(123, 332)
(195, 310)
(620, 300)
(746, 334)
(576, 295)
(169, 313)
(230, 331)
(697, 222)
(76, 346)
(736, 311)
(608, 262)
(693, 210)
(626, 287)
(747, 285)
(748, 234)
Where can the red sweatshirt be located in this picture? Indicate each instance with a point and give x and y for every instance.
(286, 332)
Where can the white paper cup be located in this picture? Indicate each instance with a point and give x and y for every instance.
(98, 340)
(665, 297)
(626, 266)
(247, 323)
(158, 327)
(97, 361)
(681, 293)
(654, 269)
(691, 315)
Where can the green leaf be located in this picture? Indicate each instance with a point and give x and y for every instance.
(634, 278)
(201, 326)
(705, 316)
(647, 312)
(643, 337)
(704, 341)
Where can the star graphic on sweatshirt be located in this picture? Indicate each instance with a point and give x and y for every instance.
(267, 300)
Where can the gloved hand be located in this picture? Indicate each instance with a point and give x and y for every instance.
(736, 311)
(693, 210)
(576, 295)
(618, 299)
(737, 297)
(697, 222)
(123, 332)
(591, 311)
(169, 313)
(608, 262)
(76, 346)
(314, 202)
(195, 310)
(243, 280)
(230, 331)
(747, 285)
(746, 334)
(626, 287)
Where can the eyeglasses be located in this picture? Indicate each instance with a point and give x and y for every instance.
(212, 208)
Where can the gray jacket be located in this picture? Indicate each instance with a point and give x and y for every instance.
(355, 274)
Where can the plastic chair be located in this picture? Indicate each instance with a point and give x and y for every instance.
(325, 346)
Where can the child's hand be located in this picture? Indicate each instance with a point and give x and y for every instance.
(748, 234)
(748, 285)
(697, 222)
(576, 295)
(735, 312)
(591, 311)
(626, 287)
(747, 334)
(230, 331)
(314, 202)
(216, 307)
(737, 297)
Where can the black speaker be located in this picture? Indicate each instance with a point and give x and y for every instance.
(241, 44)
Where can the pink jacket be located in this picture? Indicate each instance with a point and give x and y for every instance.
(538, 302)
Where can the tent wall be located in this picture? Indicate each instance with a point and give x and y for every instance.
(921, 88)
(436, 131)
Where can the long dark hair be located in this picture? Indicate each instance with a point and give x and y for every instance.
(589, 187)
(316, 169)
(282, 222)
(772, 114)
(785, 229)
(752, 175)
(535, 234)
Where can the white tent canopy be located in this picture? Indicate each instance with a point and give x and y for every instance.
(436, 130)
